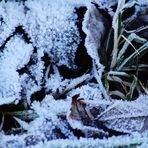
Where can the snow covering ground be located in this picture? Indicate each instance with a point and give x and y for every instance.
(32, 29)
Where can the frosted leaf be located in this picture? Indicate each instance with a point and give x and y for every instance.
(9, 86)
(90, 91)
(11, 16)
(52, 28)
(122, 116)
(126, 116)
(81, 118)
(19, 80)
(15, 55)
(49, 121)
(138, 140)
(94, 29)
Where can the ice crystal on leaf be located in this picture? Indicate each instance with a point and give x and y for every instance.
(89, 91)
(11, 16)
(50, 27)
(15, 55)
(94, 29)
(122, 116)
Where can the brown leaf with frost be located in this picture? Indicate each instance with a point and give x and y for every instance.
(78, 111)
(81, 118)
(121, 116)
(94, 28)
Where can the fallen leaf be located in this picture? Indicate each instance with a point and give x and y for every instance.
(117, 115)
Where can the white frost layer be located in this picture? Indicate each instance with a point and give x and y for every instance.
(15, 55)
(136, 139)
(51, 26)
(11, 15)
(96, 143)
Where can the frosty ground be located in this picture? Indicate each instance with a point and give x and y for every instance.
(56, 76)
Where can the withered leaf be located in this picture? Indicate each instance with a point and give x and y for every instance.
(94, 28)
(127, 116)
(78, 111)
(80, 117)
(121, 116)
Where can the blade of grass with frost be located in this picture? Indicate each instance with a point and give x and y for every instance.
(132, 56)
(128, 41)
(118, 73)
(141, 67)
(137, 30)
(23, 115)
(139, 39)
(98, 75)
(119, 80)
(132, 87)
(143, 87)
(118, 93)
(124, 48)
(2, 121)
(108, 41)
(106, 82)
(116, 27)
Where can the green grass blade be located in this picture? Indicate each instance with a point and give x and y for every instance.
(118, 73)
(137, 30)
(128, 41)
(141, 67)
(115, 25)
(106, 82)
(132, 88)
(118, 93)
(132, 56)
(119, 24)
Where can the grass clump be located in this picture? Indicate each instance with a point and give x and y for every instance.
(124, 65)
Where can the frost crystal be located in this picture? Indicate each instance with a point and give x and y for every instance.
(50, 27)
(15, 55)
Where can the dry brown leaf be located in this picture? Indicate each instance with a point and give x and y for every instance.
(81, 118)
(121, 116)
